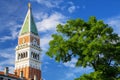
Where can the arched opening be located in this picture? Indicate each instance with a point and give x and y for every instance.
(38, 56)
(26, 54)
(32, 54)
(21, 55)
(35, 56)
(18, 56)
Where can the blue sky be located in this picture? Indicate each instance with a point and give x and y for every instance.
(47, 14)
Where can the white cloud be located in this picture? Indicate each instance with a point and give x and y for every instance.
(72, 73)
(71, 3)
(44, 44)
(114, 22)
(12, 37)
(13, 32)
(40, 16)
(51, 22)
(9, 54)
(71, 9)
(11, 69)
(71, 63)
(49, 3)
(45, 41)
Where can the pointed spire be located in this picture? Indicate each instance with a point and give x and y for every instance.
(29, 25)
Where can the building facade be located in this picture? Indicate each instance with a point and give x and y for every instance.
(27, 60)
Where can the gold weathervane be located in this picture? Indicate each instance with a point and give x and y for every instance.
(29, 5)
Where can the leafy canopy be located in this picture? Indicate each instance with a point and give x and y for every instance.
(93, 43)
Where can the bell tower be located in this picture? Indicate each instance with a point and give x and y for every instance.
(27, 58)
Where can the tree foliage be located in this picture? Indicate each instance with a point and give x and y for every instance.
(93, 43)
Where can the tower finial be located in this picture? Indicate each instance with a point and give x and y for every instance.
(29, 5)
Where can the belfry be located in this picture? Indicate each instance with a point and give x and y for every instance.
(27, 59)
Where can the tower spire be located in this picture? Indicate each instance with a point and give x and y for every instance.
(29, 25)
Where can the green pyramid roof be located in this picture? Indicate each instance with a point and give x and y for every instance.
(33, 27)
(29, 25)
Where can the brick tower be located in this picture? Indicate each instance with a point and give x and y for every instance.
(27, 60)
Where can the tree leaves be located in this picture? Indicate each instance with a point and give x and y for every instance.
(93, 43)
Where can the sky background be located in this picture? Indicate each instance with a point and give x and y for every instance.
(47, 14)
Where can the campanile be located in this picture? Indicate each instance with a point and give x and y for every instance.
(27, 59)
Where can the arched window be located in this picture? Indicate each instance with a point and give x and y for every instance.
(35, 56)
(35, 42)
(38, 56)
(32, 54)
(18, 56)
(21, 55)
(26, 54)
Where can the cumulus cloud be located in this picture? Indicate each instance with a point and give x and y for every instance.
(44, 44)
(70, 75)
(73, 72)
(51, 22)
(71, 9)
(12, 37)
(9, 56)
(71, 63)
(45, 41)
(40, 16)
(47, 25)
(49, 3)
(13, 32)
(114, 22)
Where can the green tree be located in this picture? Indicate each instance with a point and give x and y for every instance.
(93, 43)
